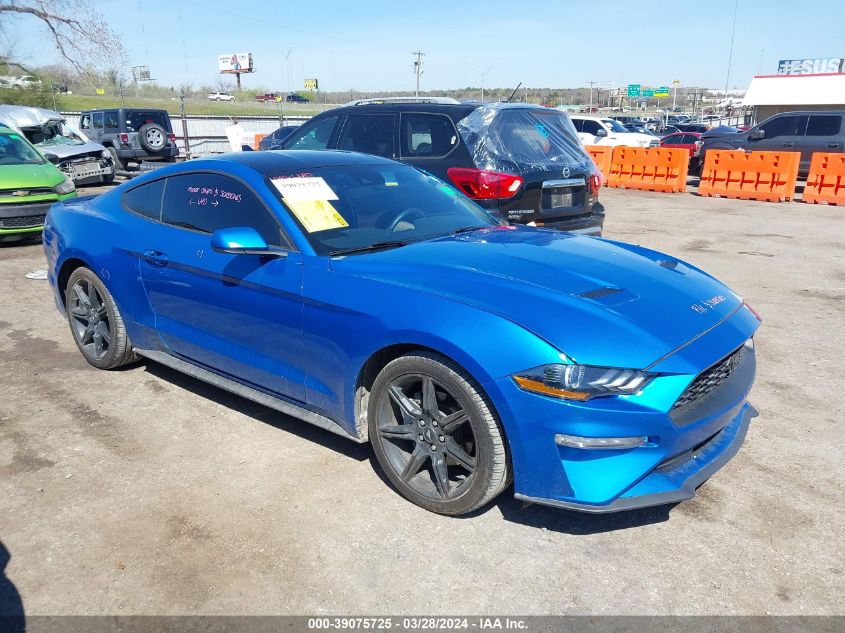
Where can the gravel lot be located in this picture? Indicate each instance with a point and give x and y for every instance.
(146, 492)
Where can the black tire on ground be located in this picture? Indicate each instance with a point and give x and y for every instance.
(152, 137)
(435, 434)
(95, 321)
(119, 165)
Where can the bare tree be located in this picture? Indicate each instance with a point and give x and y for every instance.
(224, 85)
(73, 27)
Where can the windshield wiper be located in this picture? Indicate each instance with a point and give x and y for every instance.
(368, 247)
(468, 229)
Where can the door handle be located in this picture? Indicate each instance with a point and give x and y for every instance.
(789, 144)
(833, 144)
(156, 258)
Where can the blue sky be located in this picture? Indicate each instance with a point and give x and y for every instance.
(367, 44)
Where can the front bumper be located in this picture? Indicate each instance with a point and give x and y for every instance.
(685, 444)
(678, 479)
(23, 218)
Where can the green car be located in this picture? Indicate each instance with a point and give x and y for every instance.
(29, 184)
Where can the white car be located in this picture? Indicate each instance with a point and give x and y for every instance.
(593, 130)
(220, 96)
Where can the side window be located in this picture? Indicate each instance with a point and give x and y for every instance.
(427, 135)
(85, 122)
(146, 199)
(591, 127)
(314, 136)
(111, 119)
(689, 139)
(579, 125)
(784, 126)
(368, 133)
(824, 125)
(98, 120)
(208, 202)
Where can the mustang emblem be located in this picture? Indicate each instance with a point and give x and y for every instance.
(20, 192)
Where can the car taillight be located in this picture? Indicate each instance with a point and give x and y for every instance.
(595, 184)
(172, 138)
(484, 185)
(124, 138)
(698, 145)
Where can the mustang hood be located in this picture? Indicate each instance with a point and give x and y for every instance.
(599, 302)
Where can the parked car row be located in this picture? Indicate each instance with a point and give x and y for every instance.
(270, 97)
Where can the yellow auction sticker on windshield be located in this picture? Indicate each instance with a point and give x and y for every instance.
(316, 215)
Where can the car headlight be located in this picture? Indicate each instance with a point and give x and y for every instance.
(581, 382)
(65, 186)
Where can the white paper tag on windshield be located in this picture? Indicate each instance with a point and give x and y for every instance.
(306, 188)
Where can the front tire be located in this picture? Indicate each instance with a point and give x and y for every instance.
(119, 165)
(435, 434)
(95, 321)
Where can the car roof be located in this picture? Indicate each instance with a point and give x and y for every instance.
(274, 161)
(461, 109)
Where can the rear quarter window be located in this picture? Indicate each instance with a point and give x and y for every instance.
(145, 200)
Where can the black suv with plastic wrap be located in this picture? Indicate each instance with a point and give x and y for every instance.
(131, 134)
(523, 162)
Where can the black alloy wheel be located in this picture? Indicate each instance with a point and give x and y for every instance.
(435, 435)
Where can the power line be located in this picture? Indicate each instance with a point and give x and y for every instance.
(418, 68)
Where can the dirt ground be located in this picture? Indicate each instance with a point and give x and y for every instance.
(147, 492)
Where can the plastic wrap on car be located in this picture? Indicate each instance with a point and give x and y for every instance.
(521, 139)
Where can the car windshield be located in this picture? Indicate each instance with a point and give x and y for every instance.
(356, 208)
(52, 134)
(615, 126)
(14, 150)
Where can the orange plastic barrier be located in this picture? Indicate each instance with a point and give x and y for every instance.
(768, 176)
(826, 181)
(652, 169)
(601, 155)
(257, 140)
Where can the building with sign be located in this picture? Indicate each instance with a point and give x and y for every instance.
(771, 94)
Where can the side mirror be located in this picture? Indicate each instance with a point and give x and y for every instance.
(53, 158)
(243, 240)
(757, 134)
(601, 132)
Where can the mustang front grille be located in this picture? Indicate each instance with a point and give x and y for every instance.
(709, 379)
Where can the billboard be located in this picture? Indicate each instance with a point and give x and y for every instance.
(235, 63)
(312, 84)
(813, 66)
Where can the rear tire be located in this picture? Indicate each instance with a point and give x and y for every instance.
(95, 322)
(436, 435)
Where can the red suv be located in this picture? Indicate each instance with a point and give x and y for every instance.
(269, 96)
(690, 141)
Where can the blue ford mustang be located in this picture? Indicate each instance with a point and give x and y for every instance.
(373, 300)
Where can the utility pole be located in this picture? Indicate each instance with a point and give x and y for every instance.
(731, 53)
(592, 83)
(418, 69)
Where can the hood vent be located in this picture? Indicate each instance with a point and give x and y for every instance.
(600, 293)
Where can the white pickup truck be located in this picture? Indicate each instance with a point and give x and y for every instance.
(593, 130)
